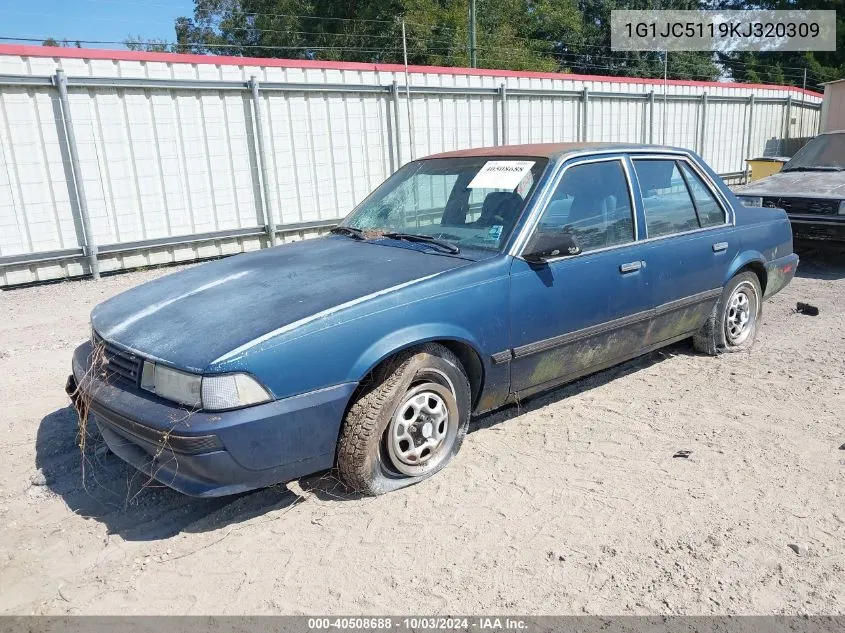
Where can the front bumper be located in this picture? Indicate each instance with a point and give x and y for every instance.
(210, 454)
(779, 272)
(818, 227)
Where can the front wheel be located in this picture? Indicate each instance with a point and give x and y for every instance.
(732, 325)
(406, 423)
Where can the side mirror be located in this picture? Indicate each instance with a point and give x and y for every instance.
(545, 245)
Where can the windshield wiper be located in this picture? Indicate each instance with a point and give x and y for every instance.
(814, 168)
(351, 231)
(425, 239)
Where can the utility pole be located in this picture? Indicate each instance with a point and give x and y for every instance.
(473, 62)
(665, 91)
(408, 91)
(803, 97)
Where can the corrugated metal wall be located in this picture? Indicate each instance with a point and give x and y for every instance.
(172, 172)
(833, 111)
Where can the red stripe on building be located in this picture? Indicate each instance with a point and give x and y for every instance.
(272, 62)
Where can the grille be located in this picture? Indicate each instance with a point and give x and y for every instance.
(159, 439)
(804, 205)
(118, 363)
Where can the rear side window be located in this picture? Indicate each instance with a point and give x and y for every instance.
(709, 211)
(668, 206)
(592, 202)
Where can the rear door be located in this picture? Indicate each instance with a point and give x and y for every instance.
(576, 314)
(689, 244)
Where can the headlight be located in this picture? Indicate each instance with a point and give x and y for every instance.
(170, 384)
(212, 393)
(842, 208)
(751, 201)
(230, 391)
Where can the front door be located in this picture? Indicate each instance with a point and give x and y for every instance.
(581, 313)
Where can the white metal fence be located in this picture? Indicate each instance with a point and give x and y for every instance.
(114, 160)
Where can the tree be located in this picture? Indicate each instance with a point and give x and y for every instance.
(51, 41)
(155, 45)
(591, 54)
(368, 30)
(788, 67)
(555, 35)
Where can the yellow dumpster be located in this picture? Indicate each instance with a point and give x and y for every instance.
(766, 166)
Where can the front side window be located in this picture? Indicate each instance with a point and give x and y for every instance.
(592, 202)
(472, 202)
(666, 200)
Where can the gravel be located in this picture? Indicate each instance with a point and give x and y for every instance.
(571, 503)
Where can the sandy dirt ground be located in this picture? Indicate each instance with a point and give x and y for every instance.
(570, 504)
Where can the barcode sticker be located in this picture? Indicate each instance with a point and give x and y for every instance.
(501, 174)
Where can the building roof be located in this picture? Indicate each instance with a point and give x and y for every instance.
(61, 52)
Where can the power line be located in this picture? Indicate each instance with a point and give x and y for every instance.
(620, 62)
(544, 42)
(202, 44)
(271, 15)
(229, 26)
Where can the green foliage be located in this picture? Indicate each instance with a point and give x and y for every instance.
(52, 41)
(548, 35)
(788, 67)
(370, 31)
(591, 53)
(137, 43)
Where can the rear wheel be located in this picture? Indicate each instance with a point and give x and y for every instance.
(406, 423)
(732, 325)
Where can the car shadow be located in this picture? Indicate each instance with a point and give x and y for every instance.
(96, 484)
(328, 486)
(820, 260)
(591, 381)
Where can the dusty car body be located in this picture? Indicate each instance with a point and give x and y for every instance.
(466, 281)
(810, 188)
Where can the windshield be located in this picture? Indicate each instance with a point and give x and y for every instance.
(823, 152)
(472, 202)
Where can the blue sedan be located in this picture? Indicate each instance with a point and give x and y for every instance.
(466, 281)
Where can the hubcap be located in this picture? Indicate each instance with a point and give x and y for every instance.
(740, 314)
(418, 432)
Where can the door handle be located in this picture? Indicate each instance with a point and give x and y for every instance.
(630, 267)
(718, 247)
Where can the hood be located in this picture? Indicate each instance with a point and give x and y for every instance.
(192, 317)
(797, 184)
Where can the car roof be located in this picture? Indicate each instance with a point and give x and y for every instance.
(550, 150)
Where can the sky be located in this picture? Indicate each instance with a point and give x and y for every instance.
(101, 20)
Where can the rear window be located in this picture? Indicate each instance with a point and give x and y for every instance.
(666, 200)
(675, 198)
(708, 209)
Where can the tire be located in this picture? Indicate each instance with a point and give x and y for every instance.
(732, 325)
(420, 399)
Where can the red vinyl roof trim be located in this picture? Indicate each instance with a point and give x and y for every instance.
(180, 58)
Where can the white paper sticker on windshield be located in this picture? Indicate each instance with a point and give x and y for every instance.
(525, 184)
(501, 174)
